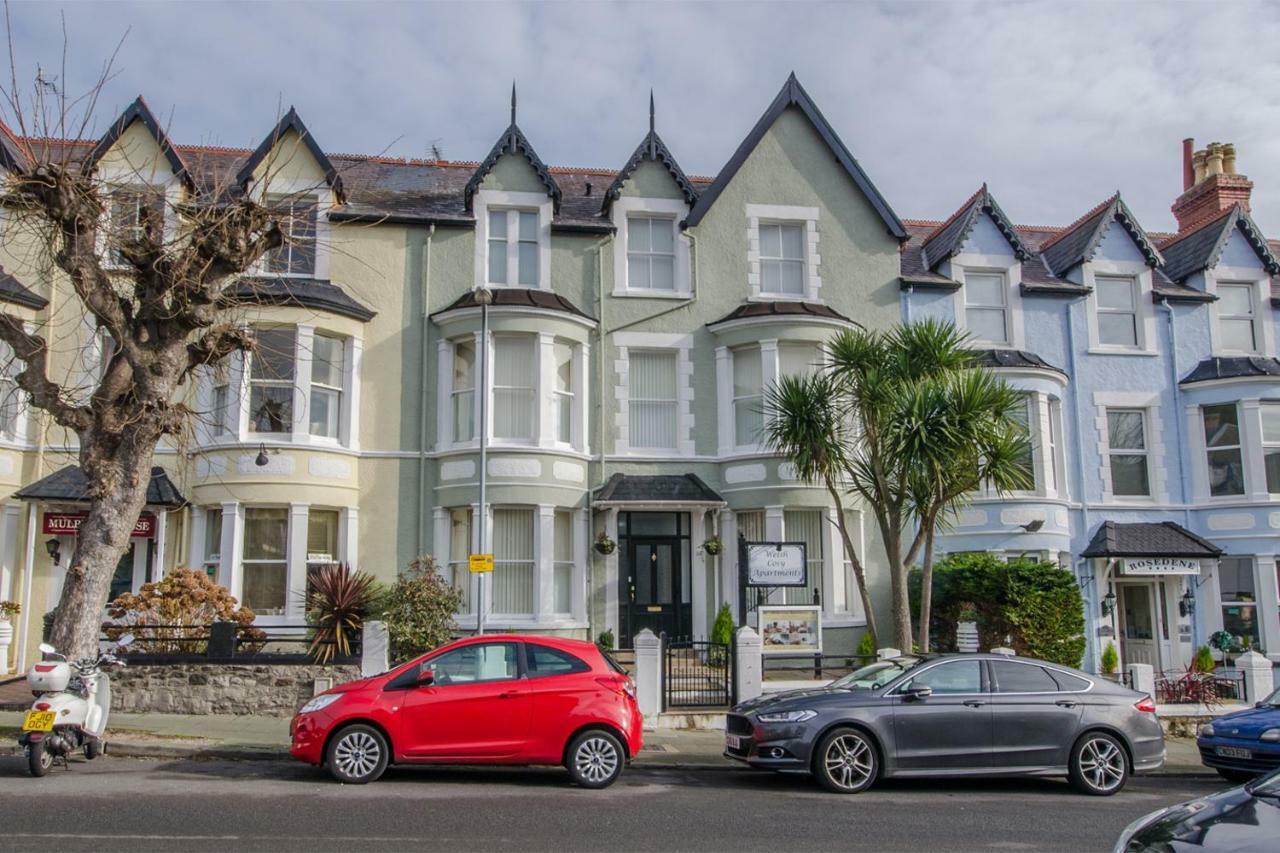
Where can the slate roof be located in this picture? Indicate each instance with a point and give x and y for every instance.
(1161, 539)
(656, 488)
(291, 121)
(1013, 358)
(12, 290)
(1200, 247)
(781, 309)
(794, 95)
(303, 293)
(139, 111)
(950, 237)
(1233, 367)
(12, 156)
(1078, 242)
(1036, 278)
(519, 297)
(70, 485)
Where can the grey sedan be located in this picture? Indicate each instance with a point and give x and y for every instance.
(953, 715)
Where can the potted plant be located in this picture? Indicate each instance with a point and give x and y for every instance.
(967, 629)
(604, 544)
(8, 609)
(713, 546)
(1110, 660)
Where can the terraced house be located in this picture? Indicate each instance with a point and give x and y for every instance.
(1149, 366)
(636, 316)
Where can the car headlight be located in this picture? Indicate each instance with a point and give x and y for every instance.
(787, 717)
(322, 701)
(1270, 736)
(1132, 829)
(1207, 730)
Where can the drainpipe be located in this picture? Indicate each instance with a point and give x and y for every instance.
(600, 425)
(906, 303)
(424, 363)
(1089, 633)
(1177, 427)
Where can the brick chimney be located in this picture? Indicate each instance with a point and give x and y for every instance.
(1210, 184)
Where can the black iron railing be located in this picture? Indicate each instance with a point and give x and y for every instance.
(821, 667)
(697, 674)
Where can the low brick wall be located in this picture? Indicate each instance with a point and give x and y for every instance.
(258, 689)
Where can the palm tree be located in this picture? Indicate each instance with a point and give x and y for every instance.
(904, 419)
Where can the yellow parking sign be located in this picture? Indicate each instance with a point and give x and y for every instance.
(480, 562)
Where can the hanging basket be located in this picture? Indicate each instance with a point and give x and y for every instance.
(713, 546)
(605, 545)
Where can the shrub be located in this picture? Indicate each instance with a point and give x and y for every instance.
(418, 610)
(164, 613)
(866, 646)
(1034, 607)
(9, 608)
(722, 633)
(605, 640)
(338, 602)
(1203, 661)
(1110, 660)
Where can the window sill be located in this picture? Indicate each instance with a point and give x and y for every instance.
(651, 294)
(784, 297)
(1118, 351)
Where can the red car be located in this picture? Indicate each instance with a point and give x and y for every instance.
(492, 699)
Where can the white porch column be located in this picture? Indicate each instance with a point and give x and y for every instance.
(1251, 451)
(295, 606)
(544, 383)
(487, 390)
(724, 400)
(8, 539)
(773, 531)
(349, 536)
(729, 561)
(544, 573)
(611, 579)
(302, 382)
(441, 547)
(768, 362)
(582, 398)
(157, 559)
(230, 572)
(581, 564)
(698, 573)
(195, 537)
(444, 396)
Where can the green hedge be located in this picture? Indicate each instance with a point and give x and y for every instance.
(1034, 607)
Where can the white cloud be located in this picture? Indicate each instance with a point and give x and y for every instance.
(1055, 105)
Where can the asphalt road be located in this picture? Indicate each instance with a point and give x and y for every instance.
(134, 805)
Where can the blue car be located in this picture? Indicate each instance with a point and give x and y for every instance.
(1245, 744)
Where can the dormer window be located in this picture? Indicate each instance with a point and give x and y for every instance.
(1117, 301)
(986, 311)
(782, 258)
(651, 253)
(1237, 317)
(133, 209)
(513, 247)
(297, 255)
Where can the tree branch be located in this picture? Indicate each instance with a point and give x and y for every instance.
(46, 394)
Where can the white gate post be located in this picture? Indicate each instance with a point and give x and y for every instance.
(1259, 680)
(750, 668)
(1142, 678)
(375, 649)
(648, 650)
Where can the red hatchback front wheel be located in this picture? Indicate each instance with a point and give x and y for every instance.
(357, 754)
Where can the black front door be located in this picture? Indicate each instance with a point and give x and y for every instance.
(651, 593)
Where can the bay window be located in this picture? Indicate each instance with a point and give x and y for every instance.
(1222, 447)
(782, 258)
(1055, 440)
(212, 562)
(1239, 600)
(463, 395)
(11, 397)
(513, 387)
(513, 561)
(1025, 415)
(1127, 453)
(271, 378)
(513, 247)
(265, 561)
(986, 312)
(796, 359)
(805, 525)
(1271, 445)
(1117, 308)
(327, 368)
(322, 542)
(563, 392)
(220, 399)
(562, 565)
(654, 405)
(459, 571)
(748, 397)
(298, 216)
(1237, 317)
(651, 253)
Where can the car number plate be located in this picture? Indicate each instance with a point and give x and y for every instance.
(38, 721)
(733, 741)
(1233, 752)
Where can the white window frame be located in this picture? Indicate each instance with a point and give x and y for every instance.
(10, 367)
(244, 562)
(772, 214)
(531, 340)
(1268, 445)
(737, 400)
(1145, 318)
(291, 384)
(1135, 312)
(306, 200)
(683, 344)
(540, 202)
(1252, 318)
(1240, 447)
(564, 402)
(627, 206)
(140, 192)
(1005, 307)
(338, 392)
(1144, 452)
(674, 402)
(456, 393)
(511, 243)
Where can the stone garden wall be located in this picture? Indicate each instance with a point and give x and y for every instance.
(259, 689)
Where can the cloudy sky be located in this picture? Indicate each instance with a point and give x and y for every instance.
(1056, 105)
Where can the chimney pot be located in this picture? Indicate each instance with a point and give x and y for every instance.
(1215, 184)
(1188, 173)
(1197, 163)
(1229, 158)
(1213, 159)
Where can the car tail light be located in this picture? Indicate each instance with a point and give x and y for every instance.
(618, 684)
(1146, 705)
(43, 706)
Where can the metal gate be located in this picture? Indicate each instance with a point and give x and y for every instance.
(697, 674)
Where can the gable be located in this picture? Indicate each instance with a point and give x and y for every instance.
(1117, 245)
(985, 239)
(651, 180)
(135, 156)
(289, 161)
(513, 173)
(1239, 254)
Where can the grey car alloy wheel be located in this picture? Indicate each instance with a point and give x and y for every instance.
(358, 754)
(1099, 765)
(846, 762)
(595, 759)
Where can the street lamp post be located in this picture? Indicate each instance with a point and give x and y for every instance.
(484, 296)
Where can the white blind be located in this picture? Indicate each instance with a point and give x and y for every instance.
(564, 392)
(563, 553)
(459, 550)
(464, 385)
(805, 525)
(513, 562)
(653, 399)
(748, 414)
(513, 365)
(751, 525)
(798, 359)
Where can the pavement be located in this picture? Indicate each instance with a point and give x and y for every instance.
(116, 804)
(177, 736)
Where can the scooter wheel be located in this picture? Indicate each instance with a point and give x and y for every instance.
(93, 747)
(39, 759)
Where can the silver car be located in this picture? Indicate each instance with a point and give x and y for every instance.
(953, 715)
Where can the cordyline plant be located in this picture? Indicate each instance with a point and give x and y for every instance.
(173, 615)
(159, 284)
(905, 420)
(338, 602)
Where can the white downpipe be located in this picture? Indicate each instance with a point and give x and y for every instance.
(28, 575)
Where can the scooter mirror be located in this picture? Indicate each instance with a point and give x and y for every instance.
(47, 649)
(124, 640)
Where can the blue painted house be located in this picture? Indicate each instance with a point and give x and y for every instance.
(1152, 398)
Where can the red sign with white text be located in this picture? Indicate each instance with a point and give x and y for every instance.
(67, 523)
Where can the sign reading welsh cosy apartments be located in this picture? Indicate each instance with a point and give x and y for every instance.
(1159, 566)
(776, 564)
(68, 523)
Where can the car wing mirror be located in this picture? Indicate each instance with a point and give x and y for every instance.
(426, 676)
(915, 694)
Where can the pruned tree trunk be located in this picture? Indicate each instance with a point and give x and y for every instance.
(926, 585)
(859, 574)
(898, 580)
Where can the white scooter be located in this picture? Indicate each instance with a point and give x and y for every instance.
(73, 699)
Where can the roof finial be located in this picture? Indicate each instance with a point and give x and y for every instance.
(653, 145)
(651, 109)
(513, 102)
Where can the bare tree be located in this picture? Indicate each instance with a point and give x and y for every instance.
(162, 282)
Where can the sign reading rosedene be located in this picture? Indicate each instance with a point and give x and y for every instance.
(1160, 566)
(776, 564)
(68, 523)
